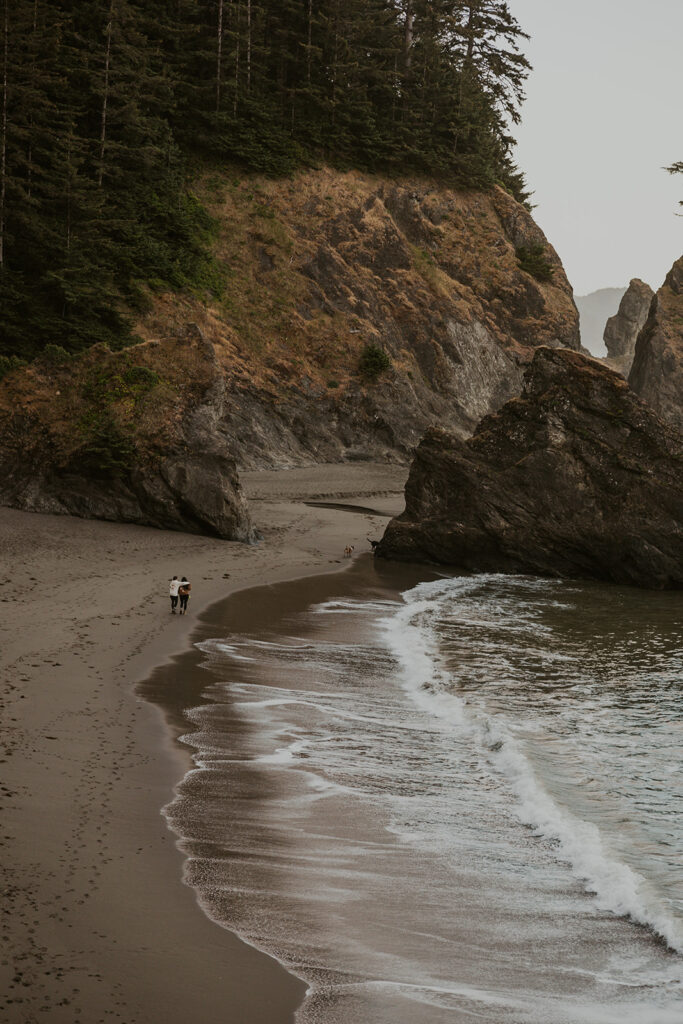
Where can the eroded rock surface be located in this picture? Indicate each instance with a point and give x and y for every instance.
(657, 371)
(577, 478)
(315, 270)
(319, 267)
(134, 436)
(622, 329)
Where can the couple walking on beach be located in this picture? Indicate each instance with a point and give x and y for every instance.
(179, 590)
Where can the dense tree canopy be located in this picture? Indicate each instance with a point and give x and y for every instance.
(105, 103)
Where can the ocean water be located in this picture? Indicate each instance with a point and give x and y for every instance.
(460, 800)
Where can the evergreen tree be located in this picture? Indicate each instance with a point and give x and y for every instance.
(105, 104)
(94, 188)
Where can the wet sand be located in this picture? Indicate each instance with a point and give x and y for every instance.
(183, 684)
(96, 924)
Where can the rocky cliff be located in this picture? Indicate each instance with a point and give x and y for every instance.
(355, 312)
(134, 436)
(320, 267)
(622, 329)
(657, 371)
(577, 477)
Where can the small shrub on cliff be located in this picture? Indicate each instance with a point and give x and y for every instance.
(108, 451)
(141, 378)
(533, 260)
(9, 363)
(107, 384)
(54, 355)
(429, 270)
(373, 361)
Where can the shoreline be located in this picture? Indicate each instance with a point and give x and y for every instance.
(179, 685)
(281, 698)
(99, 925)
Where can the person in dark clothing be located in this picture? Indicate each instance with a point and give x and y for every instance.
(184, 594)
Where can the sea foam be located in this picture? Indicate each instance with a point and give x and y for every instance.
(615, 886)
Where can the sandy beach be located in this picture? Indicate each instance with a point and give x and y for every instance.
(97, 925)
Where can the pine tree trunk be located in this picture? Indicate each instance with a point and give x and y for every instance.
(310, 37)
(68, 193)
(335, 62)
(219, 55)
(105, 97)
(248, 47)
(29, 155)
(466, 67)
(472, 10)
(409, 33)
(237, 57)
(3, 141)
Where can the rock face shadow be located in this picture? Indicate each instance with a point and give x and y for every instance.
(576, 478)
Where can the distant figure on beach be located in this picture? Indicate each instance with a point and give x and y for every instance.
(373, 543)
(184, 594)
(173, 586)
(348, 550)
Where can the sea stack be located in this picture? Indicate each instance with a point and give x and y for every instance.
(622, 329)
(576, 478)
(657, 371)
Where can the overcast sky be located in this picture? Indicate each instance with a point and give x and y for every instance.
(604, 114)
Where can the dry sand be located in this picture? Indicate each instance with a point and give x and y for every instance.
(96, 924)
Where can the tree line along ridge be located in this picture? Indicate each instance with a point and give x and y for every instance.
(109, 107)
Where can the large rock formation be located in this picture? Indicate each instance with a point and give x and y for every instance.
(134, 436)
(321, 266)
(456, 289)
(657, 371)
(622, 329)
(577, 477)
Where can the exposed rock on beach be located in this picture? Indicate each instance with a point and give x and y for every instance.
(134, 436)
(576, 478)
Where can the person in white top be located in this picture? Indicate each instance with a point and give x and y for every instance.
(173, 592)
